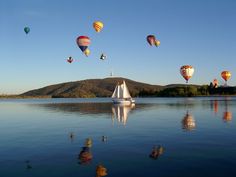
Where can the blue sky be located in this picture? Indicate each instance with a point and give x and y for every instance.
(199, 33)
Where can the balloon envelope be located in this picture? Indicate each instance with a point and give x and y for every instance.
(27, 30)
(69, 59)
(157, 43)
(98, 25)
(151, 39)
(103, 57)
(87, 52)
(187, 72)
(225, 75)
(83, 42)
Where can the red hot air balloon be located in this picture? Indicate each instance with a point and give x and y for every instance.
(69, 59)
(151, 39)
(83, 42)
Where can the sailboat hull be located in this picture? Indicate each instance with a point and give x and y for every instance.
(123, 101)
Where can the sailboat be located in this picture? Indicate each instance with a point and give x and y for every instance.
(121, 95)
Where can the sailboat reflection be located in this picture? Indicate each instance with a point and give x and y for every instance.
(121, 112)
(188, 122)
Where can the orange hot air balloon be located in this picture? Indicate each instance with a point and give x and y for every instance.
(187, 72)
(225, 75)
(98, 25)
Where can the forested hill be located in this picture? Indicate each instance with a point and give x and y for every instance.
(93, 88)
(105, 87)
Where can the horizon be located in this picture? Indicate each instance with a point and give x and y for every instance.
(201, 34)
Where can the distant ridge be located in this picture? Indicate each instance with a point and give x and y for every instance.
(91, 88)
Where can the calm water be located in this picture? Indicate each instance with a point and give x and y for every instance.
(156, 137)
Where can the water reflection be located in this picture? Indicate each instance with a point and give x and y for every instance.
(227, 115)
(120, 112)
(188, 122)
(156, 152)
(223, 103)
(72, 136)
(28, 165)
(85, 155)
(101, 171)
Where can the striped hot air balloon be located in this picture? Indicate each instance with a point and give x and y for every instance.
(83, 42)
(187, 72)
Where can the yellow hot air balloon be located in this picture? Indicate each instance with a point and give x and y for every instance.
(87, 52)
(157, 43)
(98, 25)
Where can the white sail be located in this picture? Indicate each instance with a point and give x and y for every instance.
(126, 93)
(121, 91)
(114, 95)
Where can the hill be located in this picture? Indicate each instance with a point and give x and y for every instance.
(92, 88)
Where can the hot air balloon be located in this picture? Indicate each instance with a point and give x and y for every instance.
(157, 43)
(83, 42)
(27, 30)
(151, 39)
(215, 83)
(226, 76)
(87, 52)
(69, 59)
(98, 25)
(103, 57)
(187, 72)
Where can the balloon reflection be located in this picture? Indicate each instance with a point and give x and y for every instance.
(227, 115)
(72, 136)
(101, 171)
(188, 122)
(85, 155)
(156, 152)
(215, 106)
(121, 112)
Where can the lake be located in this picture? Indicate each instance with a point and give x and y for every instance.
(92, 137)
